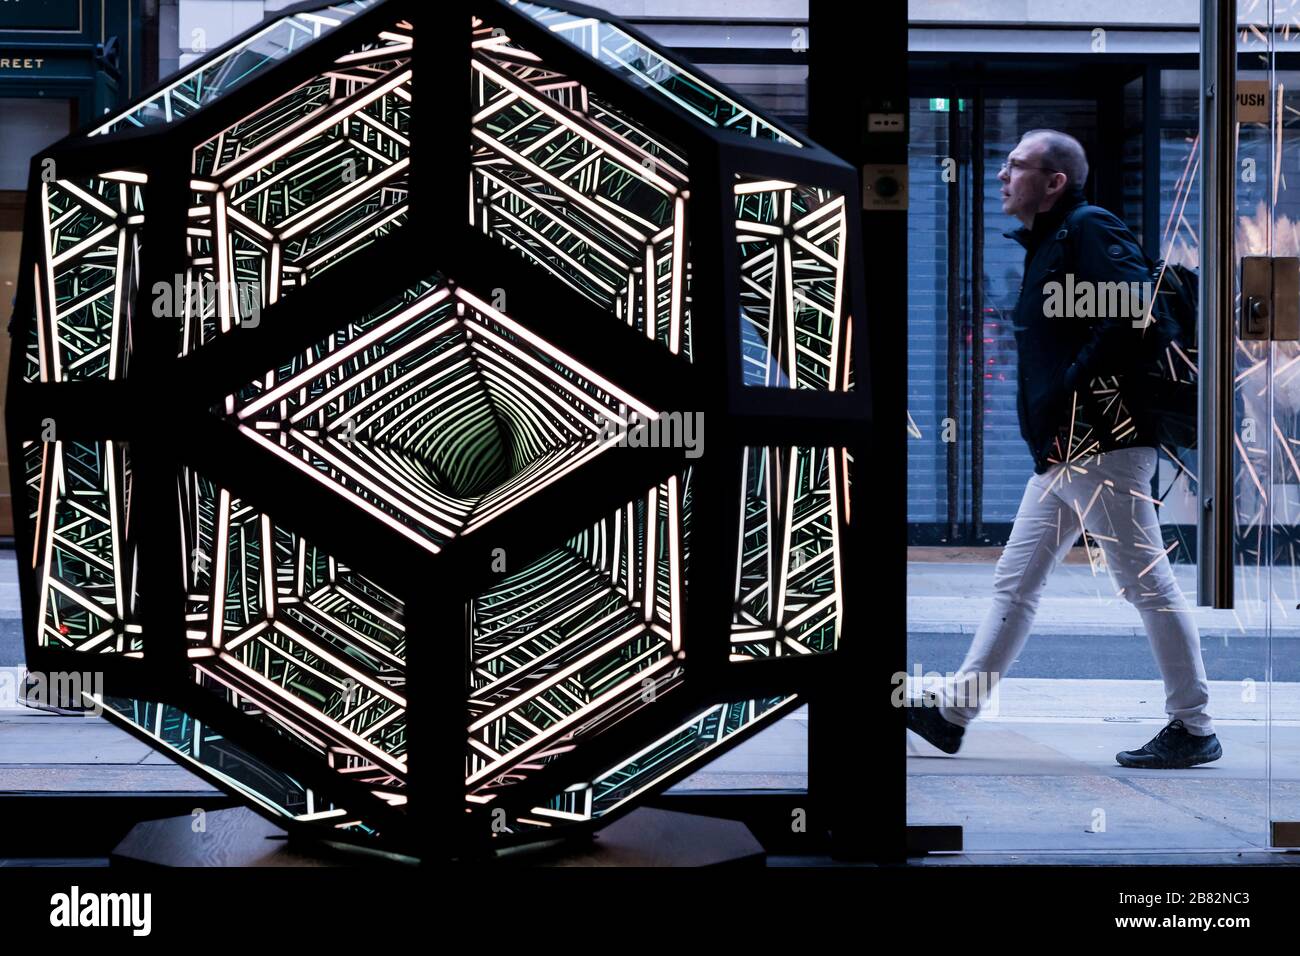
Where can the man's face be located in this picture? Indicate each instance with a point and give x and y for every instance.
(1028, 188)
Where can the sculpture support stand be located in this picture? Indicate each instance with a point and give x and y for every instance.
(239, 837)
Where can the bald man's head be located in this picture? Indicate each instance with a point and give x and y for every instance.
(1041, 168)
(1061, 151)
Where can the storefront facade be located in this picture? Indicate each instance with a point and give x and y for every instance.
(61, 63)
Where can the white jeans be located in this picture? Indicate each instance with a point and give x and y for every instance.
(1110, 494)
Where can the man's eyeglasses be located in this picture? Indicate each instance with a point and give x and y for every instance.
(1017, 164)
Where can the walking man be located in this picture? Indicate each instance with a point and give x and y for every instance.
(1078, 340)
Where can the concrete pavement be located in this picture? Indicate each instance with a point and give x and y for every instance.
(1036, 772)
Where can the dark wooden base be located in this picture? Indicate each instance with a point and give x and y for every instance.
(933, 839)
(86, 824)
(644, 837)
(651, 837)
(236, 837)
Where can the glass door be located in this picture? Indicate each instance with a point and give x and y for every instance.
(1099, 671)
(1268, 391)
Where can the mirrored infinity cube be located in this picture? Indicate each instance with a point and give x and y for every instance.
(436, 423)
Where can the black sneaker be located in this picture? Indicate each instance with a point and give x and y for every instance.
(923, 718)
(1174, 746)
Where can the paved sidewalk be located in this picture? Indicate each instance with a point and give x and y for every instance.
(1036, 772)
(40, 751)
(1041, 774)
(11, 634)
(952, 597)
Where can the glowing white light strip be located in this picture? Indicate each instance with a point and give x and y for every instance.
(495, 106)
(89, 199)
(483, 515)
(653, 779)
(678, 288)
(563, 724)
(841, 249)
(787, 287)
(651, 551)
(51, 476)
(236, 160)
(325, 654)
(273, 295)
(362, 186)
(812, 610)
(674, 564)
(95, 609)
(332, 486)
(113, 528)
(740, 542)
(456, 400)
(380, 53)
(163, 94)
(281, 717)
(223, 264)
(249, 224)
(383, 130)
(408, 482)
(541, 140)
(533, 664)
(559, 185)
(763, 186)
(317, 371)
(404, 484)
(835, 205)
(543, 346)
(268, 567)
(254, 160)
(233, 644)
(221, 544)
(125, 175)
(364, 480)
(771, 504)
(361, 232)
(818, 253)
(837, 570)
(634, 165)
(449, 389)
(502, 710)
(42, 347)
(84, 246)
(591, 239)
(786, 539)
(529, 390)
(336, 358)
(72, 547)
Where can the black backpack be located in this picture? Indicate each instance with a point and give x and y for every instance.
(1170, 366)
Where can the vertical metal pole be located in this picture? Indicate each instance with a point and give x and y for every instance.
(1151, 162)
(955, 324)
(977, 316)
(857, 65)
(1214, 539)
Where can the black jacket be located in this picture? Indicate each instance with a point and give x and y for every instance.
(1080, 387)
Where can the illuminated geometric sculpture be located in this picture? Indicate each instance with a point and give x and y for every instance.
(433, 470)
